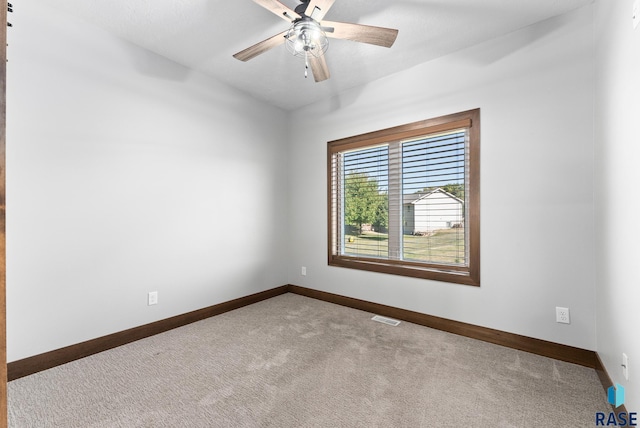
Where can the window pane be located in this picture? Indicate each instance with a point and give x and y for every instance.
(406, 201)
(433, 188)
(366, 206)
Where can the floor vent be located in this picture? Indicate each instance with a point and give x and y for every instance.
(385, 320)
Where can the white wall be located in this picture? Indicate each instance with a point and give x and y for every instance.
(535, 91)
(127, 174)
(617, 114)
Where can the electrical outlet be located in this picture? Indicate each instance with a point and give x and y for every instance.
(153, 298)
(625, 366)
(562, 315)
(303, 271)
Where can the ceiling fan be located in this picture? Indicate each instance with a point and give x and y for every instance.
(307, 35)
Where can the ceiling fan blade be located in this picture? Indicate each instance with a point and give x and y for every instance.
(319, 68)
(279, 9)
(317, 9)
(263, 46)
(362, 33)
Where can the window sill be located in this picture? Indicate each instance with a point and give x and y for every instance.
(440, 273)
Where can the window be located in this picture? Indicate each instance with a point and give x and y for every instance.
(406, 200)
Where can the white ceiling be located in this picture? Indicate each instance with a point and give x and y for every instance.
(204, 34)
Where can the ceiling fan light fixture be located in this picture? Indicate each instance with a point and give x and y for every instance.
(305, 37)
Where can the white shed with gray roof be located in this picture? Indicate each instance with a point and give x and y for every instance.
(424, 213)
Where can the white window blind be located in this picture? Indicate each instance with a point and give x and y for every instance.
(406, 202)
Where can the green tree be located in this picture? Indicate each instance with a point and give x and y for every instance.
(363, 201)
(381, 221)
(456, 189)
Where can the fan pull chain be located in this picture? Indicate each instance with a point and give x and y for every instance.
(306, 64)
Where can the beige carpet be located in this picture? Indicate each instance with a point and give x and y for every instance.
(292, 361)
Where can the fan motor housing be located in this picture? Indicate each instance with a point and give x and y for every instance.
(302, 7)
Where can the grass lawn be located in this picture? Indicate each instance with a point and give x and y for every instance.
(444, 246)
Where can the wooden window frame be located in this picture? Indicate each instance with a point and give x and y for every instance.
(468, 275)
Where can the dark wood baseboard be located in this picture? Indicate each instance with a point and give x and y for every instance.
(606, 382)
(47, 360)
(37, 363)
(557, 351)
